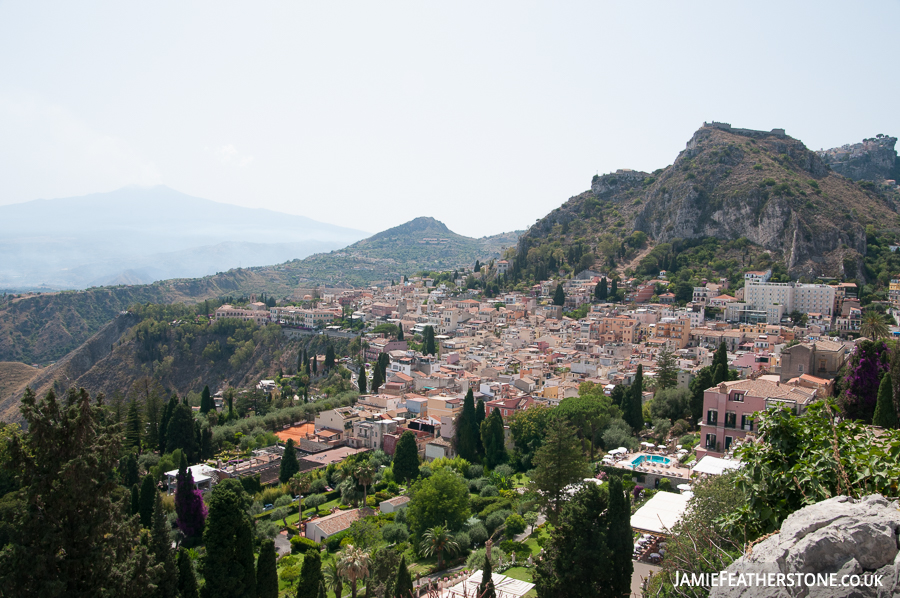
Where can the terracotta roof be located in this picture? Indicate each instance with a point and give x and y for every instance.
(337, 522)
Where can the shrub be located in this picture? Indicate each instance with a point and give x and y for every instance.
(520, 548)
(475, 471)
(425, 471)
(476, 559)
(463, 539)
(496, 519)
(501, 505)
(478, 534)
(283, 501)
(290, 573)
(515, 525)
(488, 491)
(504, 471)
(334, 542)
(479, 503)
(680, 427)
(318, 486)
(269, 495)
(395, 533)
(302, 545)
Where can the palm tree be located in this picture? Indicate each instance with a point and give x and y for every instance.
(873, 325)
(365, 475)
(353, 563)
(436, 540)
(334, 577)
(299, 485)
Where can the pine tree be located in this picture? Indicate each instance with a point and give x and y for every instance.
(885, 414)
(486, 587)
(133, 427)
(377, 379)
(187, 579)
(466, 432)
(619, 538)
(70, 537)
(289, 463)
(480, 416)
(361, 381)
(403, 585)
(206, 402)
(148, 497)
(558, 463)
(559, 297)
(311, 576)
(266, 571)
(492, 437)
(166, 578)
(666, 369)
(406, 458)
(189, 504)
(329, 357)
(229, 564)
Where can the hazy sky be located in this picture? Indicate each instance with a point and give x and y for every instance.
(485, 115)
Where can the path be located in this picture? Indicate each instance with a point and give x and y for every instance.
(282, 544)
(641, 572)
(540, 521)
(633, 263)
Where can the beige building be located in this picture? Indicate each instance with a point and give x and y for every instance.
(441, 406)
(255, 313)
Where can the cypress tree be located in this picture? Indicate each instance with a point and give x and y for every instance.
(885, 414)
(720, 357)
(493, 439)
(637, 400)
(377, 379)
(559, 297)
(428, 341)
(180, 432)
(619, 538)
(229, 564)
(311, 576)
(720, 375)
(329, 357)
(314, 365)
(188, 502)
(384, 361)
(133, 427)
(480, 416)
(322, 592)
(129, 470)
(135, 500)
(465, 433)
(400, 332)
(164, 420)
(406, 458)
(148, 498)
(161, 548)
(266, 571)
(289, 463)
(187, 580)
(614, 290)
(206, 403)
(361, 381)
(602, 290)
(403, 586)
(486, 587)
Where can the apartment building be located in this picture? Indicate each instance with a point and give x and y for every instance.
(302, 318)
(256, 312)
(675, 331)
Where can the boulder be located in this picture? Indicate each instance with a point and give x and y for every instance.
(841, 536)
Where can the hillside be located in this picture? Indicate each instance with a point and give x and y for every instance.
(41, 328)
(139, 235)
(764, 189)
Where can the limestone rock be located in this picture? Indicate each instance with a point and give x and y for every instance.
(842, 536)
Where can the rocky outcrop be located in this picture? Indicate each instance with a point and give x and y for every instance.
(872, 160)
(856, 540)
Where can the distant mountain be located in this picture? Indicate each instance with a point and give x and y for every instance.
(41, 328)
(138, 235)
(728, 184)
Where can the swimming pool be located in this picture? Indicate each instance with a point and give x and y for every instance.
(650, 459)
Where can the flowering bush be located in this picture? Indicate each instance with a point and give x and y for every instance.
(862, 375)
(189, 505)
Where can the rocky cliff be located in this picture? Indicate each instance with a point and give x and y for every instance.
(858, 541)
(872, 160)
(729, 184)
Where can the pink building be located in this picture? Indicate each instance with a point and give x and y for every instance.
(729, 408)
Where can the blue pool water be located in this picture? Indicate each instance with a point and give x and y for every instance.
(650, 459)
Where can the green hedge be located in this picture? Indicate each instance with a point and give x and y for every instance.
(300, 544)
(334, 542)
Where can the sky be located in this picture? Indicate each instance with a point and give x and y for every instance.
(484, 115)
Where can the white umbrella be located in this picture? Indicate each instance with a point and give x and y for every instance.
(646, 444)
(678, 446)
(622, 450)
(683, 486)
(660, 446)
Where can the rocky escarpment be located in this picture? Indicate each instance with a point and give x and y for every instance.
(75, 364)
(858, 541)
(872, 160)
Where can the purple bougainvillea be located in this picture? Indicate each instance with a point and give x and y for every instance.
(189, 505)
(868, 362)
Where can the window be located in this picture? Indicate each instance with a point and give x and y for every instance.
(712, 417)
(711, 441)
(730, 419)
(800, 367)
(738, 397)
(746, 423)
(728, 441)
